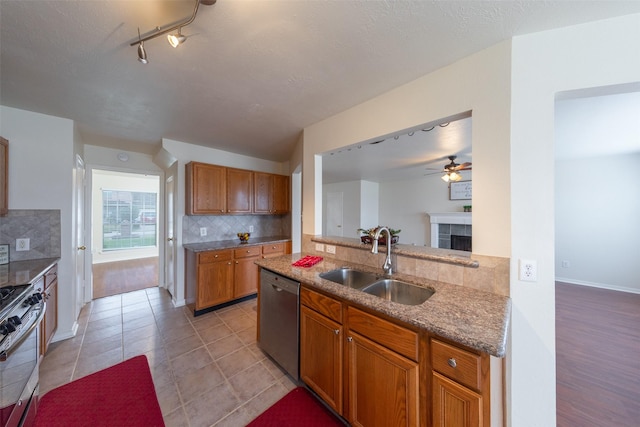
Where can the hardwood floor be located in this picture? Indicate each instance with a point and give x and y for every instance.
(597, 357)
(113, 278)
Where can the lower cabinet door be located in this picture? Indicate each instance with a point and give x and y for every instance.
(454, 405)
(383, 386)
(246, 277)
(215, 284)
(321, 356)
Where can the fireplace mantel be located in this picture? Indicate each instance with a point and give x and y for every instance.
(457, 218)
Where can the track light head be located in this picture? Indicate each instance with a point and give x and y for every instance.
(176, 40)
(142, 54)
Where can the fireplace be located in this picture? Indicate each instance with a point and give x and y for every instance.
(448, 224)
(461, 243)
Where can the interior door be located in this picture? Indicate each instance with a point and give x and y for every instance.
(334, 213)
(170, 247)
(81, 298)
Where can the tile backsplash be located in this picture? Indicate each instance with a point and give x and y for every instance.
(225, 227)
(41, 227)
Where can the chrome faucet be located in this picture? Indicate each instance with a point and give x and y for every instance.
(388, 269)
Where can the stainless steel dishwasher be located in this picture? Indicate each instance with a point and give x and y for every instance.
(279, 320)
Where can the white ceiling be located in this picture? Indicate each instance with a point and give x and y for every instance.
(253, 73)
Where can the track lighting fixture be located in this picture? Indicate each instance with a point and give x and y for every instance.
(174, 39)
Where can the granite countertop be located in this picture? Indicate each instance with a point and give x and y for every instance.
(22, 272)
(233, 244)
(474, 318)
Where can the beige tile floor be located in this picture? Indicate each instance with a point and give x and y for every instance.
(207, 370)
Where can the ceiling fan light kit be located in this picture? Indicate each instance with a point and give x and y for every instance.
(174, 39)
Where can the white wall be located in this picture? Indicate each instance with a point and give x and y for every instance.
(603, 53)
(478, 83)
(597, 228)
(405, 205)
(41, 161)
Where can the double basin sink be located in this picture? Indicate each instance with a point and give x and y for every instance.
(370, 283)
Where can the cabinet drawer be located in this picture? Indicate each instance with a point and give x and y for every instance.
(390, 335)
(323, 304)
(273, 248)
(246, 252)
(50, 276)
(458, 364)
(214, 256)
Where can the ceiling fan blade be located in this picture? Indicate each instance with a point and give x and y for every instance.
(463, 166)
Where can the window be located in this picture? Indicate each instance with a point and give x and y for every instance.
(129, 219)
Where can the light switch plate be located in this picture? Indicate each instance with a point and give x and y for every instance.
(22, 244)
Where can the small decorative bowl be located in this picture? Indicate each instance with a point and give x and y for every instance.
(244, 237)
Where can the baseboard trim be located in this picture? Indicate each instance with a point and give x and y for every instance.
(597, 285)
(58, 336)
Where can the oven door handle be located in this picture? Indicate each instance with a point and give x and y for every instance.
(5, 354)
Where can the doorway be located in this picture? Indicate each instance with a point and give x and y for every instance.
(125, 232)
(597, 292)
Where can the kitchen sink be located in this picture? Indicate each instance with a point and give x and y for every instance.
(399, 291)
(350, 277)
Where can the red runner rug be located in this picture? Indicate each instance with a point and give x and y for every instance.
(122, 395)
(298, 408)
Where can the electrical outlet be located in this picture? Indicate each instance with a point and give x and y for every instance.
(22, 244)
(251, 229)
(203, 231)
(566, 264)
(331, 249)
(319, 247)
(528, 270)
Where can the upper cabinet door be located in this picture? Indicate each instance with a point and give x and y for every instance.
(271, 193)
(263, 189)
(4, 176)
(206, 189)
(280, 204)
(239, 194)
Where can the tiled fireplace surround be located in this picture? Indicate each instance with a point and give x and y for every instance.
(491, 274)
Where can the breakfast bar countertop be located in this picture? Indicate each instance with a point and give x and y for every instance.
(471, 317)
(233, 244)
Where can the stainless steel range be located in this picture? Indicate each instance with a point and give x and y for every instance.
(21, 310)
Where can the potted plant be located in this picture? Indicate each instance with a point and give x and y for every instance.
(367, 235)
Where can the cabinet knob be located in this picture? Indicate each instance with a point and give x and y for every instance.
(215, 256)
(169, 239)
(337, 331)
(452, 362)
(350, 339)
(237, 262)
(82, 248)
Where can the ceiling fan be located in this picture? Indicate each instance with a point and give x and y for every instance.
(452, 168)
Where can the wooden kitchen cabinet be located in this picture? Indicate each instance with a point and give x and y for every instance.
(221, 276)
(271, 193)
(47, 285)
(321, 346)
(458, 382)
(206, 192)
(239, 191)
(383, 383)
(215, 278)
(246, 274)
(4, 176)
(273, 250)
(454, 405)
